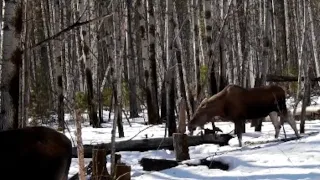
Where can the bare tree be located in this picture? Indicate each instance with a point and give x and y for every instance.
(12, 60)
(131, 64)
(169, 79)
(88, 71)
(313, 40)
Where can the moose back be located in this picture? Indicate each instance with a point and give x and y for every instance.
(35, 153)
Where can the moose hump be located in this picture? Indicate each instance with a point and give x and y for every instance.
(35, 153)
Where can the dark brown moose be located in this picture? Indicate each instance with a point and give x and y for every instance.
(237, 104)
(35, 153)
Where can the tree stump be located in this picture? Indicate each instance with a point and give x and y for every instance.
(180, 145)
(99, 170)
(123, 172)
(180, 140)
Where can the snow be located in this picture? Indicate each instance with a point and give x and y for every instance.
(258, 159)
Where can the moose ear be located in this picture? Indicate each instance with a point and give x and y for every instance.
(204, 102)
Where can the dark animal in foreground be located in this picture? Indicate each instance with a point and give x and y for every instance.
(237, 104)
(35, 153)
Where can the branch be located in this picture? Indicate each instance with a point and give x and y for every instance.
(75, 25)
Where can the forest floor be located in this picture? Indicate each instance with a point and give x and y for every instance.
(297, 159)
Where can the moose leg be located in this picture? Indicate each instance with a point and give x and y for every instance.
(292, 123)
(238, 129)
(274, 119)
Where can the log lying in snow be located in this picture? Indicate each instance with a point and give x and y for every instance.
(162, 164)
(311, 112)
(157, 164)
(276, 78)
(157, 143)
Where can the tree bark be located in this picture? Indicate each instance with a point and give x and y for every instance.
(313, 40)
(12, 61)
(171, 122)
(131, 64)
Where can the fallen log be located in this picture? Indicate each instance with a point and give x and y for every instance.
(312, 112)
(162, 164)
(276, 78)
(156, 143)
(157, 164)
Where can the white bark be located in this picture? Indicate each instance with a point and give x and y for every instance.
(239, 49)
(78, 119)
(314, 41)
(158, 44)
(93, 64)
(10, 44)
(144, 34)
(300, 23)
(287, 32)
(195, 42)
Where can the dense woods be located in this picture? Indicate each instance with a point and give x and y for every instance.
(64, 56)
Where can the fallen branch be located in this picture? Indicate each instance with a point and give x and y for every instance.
(157, 143)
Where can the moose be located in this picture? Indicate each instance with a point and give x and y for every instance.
(35, 153)
(237, 104)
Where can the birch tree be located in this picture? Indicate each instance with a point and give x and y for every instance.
(12, 59)
(88, 71)
(313, 40)
(195, 12)
(300, 29)
(171, 122)
(131, 64)
(151, 69)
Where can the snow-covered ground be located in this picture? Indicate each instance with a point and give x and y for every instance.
(297, 159)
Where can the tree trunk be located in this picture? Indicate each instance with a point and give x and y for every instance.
(195, 9)
(287, 33)
(60, 96)
(313, 40)
(118, 39)
(131, 67)
(12, 60)
(171, 121)
(209, 39)
(151, 69)
(92, 109)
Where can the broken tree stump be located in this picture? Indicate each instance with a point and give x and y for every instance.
(99, 169)
(180, 145)
(123, 172)
(180, 140)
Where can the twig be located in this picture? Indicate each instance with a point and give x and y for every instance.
(140, 132)
(126, 117)
(75, 25)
